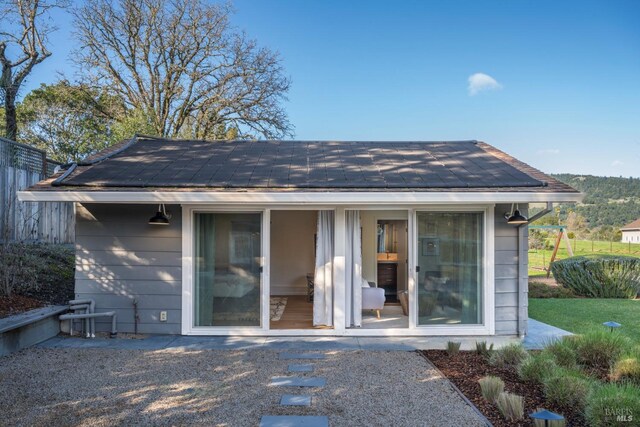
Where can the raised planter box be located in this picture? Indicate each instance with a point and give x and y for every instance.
(30, 328)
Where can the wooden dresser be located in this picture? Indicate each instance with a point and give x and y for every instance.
(388, 280)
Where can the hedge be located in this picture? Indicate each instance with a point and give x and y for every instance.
(599, 276)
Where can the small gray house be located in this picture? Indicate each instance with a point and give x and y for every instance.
(304, 237)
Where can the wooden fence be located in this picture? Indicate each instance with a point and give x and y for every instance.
(20, 167)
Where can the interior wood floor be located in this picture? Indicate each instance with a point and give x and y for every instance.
(298, 314)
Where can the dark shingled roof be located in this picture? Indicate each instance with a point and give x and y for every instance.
(154, 163)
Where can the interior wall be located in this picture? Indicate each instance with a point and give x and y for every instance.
(292, 250)
(369, 223)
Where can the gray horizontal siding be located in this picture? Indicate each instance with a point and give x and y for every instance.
(132, 243)
(506, 327)
(506, 273)
(123, 287)
(136, 272)
(121, 258)
(129, 258)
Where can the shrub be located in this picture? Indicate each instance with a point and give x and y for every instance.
(566, 390)
(537, 368)
(483, 350)
(491, 387)
(453, 348)
(627, 369)
(599, 276)
(509, 356)
(37, 270)
(600, 349)
(563, 352)
(542, 290)
(511, 406)
(609, 402)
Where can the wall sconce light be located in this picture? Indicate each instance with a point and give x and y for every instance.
(515, 217)
(161, 217)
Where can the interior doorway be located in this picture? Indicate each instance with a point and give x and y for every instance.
(292, 262)
(385, 266)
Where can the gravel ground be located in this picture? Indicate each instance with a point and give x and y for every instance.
(98, 387)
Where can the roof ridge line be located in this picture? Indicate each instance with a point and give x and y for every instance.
(70, 167)
(132, 141)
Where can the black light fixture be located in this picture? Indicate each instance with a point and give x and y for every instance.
(161, 217)
(515, 217)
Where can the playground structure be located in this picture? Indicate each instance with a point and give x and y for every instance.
(562, 235)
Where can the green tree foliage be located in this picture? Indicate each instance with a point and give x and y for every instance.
(609, 201)
(71, 122)
(576, 225)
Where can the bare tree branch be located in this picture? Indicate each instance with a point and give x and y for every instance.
(183, 65)
(24, 28)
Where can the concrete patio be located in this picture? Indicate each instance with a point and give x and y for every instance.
(160, 342)
(539, 334)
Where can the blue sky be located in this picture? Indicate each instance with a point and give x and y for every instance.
(557, 83)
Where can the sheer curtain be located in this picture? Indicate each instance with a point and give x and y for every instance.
(353, 267)
(205, 267)
(323, 279)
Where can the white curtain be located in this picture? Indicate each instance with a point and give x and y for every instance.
(353, 267)
(323, 279)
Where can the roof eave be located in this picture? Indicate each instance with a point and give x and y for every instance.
(293, 198)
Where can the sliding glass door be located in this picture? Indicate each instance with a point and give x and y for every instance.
(227, 269)
(450, 268)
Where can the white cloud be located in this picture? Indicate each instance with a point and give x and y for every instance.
(549, 151)
(617, 163)
(480, 82)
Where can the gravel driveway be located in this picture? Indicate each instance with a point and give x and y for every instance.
(101, 387)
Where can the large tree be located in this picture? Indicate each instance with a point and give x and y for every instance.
(69, 121)
(24, 28)
(182, 65)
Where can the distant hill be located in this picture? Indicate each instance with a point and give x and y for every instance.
(609, 200)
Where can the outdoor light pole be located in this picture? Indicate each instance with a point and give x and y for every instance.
(611, 324)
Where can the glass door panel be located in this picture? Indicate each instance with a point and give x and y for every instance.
(227, 269)
(450, 273)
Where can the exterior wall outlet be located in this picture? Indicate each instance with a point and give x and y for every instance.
(163, 316)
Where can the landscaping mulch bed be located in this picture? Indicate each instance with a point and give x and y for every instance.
(16, 304)
(467, 367)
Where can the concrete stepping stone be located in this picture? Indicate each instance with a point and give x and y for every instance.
(295, 400)
(294, 421)
(300, 367)
(302, 356)
(298, 381)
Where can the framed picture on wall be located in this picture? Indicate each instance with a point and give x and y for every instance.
(241, 248)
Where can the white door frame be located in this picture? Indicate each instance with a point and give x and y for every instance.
(487, 328)
(488, 269)
(188, 231)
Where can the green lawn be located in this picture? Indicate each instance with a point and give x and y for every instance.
(539, 259)
(579, 315)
